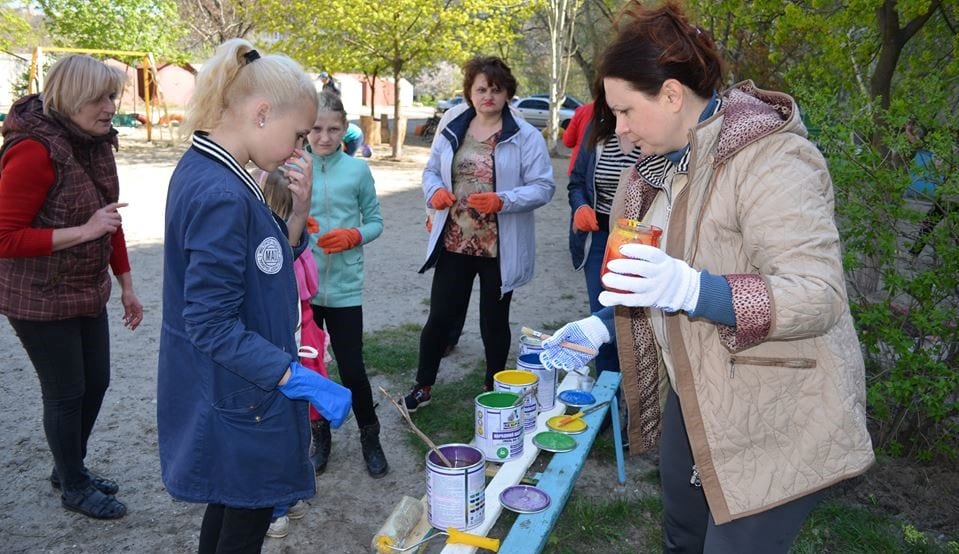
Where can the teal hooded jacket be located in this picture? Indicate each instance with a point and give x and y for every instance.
(343, 197)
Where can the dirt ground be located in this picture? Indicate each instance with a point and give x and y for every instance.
(349, 506)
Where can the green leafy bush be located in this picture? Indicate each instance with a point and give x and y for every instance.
(903, 285)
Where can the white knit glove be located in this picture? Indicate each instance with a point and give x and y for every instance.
(590, 332)
(653, 278)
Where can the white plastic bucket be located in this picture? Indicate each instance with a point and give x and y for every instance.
(546, 379)
(456, 496)
(499, 426)
(519, 382)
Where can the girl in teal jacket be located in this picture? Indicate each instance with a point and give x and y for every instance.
(345, 206)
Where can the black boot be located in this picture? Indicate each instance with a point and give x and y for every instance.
(372, 451)
(322, 442)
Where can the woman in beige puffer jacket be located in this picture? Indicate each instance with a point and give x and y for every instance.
(737, 347)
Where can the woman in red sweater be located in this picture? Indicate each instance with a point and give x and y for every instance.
(59, 232)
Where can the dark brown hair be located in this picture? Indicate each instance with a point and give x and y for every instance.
(653, 44)
(497, 73)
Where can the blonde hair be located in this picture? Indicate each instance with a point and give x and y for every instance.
(229, 77)
(276, 191)
(78, 80)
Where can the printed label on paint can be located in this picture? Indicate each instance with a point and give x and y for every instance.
(499, 426)
(456, 496)
(546, 379)
(519, 382)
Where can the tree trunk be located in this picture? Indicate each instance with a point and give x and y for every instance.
(399, 129)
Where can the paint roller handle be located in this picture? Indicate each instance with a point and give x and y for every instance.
(459, 537)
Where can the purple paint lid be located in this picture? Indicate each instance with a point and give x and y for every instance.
(524, 499)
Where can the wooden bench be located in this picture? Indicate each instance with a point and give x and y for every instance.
(530, 532)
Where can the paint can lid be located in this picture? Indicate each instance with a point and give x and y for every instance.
(551, 441)
(524, 499)
(576, 398)
(574, 427)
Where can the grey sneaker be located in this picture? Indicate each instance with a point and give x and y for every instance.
(418, 397)
(298, 510)
(279, 528)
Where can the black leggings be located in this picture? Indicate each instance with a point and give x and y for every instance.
(449, 300)
(233, 530)
(345, 326)
(72, 361)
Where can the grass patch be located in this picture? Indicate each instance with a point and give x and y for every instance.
(590, 525)
(837, 527)
(449, 417)
(392, 351)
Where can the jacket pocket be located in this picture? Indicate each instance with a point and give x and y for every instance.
(248, 405)
(766, 361)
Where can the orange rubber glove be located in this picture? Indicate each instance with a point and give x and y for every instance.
(485, 202)
(584, 219)
(312, 227)
(442, 199)
(339, 240)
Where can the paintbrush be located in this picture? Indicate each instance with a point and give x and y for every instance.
(565, 344)
(406, 415)
(571, 418)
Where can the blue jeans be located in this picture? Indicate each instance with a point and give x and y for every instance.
(608, 358)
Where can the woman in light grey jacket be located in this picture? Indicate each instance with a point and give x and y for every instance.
(488, 170)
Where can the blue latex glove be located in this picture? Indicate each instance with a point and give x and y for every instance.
(330, 399)
(590, 332)
(651, 277)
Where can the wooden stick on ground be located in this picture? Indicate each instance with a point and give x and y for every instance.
(406, 416)
(565, 344)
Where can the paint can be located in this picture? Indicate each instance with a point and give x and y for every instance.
(528, 345)
(456, 496)
(499, 426)
(520, 382)
(546, 379)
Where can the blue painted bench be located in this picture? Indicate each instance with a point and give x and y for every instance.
(531, 531)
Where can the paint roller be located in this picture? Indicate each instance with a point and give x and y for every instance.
(407, 514)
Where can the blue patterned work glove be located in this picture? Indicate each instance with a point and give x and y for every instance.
(590, 333)
(329, 398)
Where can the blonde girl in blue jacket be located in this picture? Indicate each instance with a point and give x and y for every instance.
(345, 206)
(232, 399)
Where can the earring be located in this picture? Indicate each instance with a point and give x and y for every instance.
(260, 124)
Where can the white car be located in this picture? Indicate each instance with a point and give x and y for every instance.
(444, 105)
(535, 109)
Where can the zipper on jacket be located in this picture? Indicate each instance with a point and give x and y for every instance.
(764, 361)
(326, 207)
(694, 479)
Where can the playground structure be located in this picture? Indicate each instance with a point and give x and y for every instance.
(148, 72)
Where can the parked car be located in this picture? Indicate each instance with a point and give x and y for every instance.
(444, 105)
(535, 109)
(571, 101)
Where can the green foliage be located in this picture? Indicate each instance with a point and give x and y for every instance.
(140, 25)
(622, 525)
(392, 351)
(450, 416)
(837, 527)
(12, 28)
